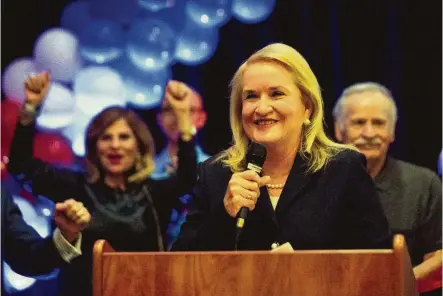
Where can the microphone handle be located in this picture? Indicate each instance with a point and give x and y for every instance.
(241, 216)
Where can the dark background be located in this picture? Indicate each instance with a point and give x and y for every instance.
(396, 43)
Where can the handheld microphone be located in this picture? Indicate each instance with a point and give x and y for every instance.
(255, 158)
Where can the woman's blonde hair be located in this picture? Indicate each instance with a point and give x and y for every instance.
(315, 146)
(144, 165)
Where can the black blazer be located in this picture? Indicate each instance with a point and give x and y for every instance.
(334, 208)
(22, 247)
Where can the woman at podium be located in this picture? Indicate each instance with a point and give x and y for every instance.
(312, 192)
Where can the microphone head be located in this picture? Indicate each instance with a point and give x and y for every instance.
(256, 156)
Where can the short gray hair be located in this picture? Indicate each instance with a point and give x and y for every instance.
(339, 111)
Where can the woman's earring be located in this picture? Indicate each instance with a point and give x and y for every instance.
(306, 122)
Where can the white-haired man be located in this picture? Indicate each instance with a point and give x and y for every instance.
(365, 116)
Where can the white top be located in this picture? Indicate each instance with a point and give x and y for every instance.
(274, 200)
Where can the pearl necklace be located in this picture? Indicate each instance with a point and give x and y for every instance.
(275, 186)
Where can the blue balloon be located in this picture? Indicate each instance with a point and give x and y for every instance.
(58, 108)
(101, 41)
(143, 89)
(122, 11)
(175, 16)
(156, 5)
(195, 44)
(209, 13)
(252, 11)
(76, 15)
(151, 44)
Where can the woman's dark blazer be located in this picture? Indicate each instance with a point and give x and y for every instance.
(334, 208)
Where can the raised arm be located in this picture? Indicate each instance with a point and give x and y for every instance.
(29, 254)
(178, 98)
(44, 179)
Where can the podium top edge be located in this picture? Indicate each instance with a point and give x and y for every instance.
(230, 253)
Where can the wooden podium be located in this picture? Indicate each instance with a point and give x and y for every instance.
(300, 273)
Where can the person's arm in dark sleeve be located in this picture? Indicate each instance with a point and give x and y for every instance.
(24, 250)
(183, 181)
(368, 227)
(44, 179)
(207, 227)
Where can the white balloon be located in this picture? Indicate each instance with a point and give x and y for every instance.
(80, 120)
(57, 51)
(99, 80)
(14, 77)
(58, 108)
(92, 104)
(76, 131)
(78, 145)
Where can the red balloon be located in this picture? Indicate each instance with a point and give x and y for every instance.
(50, 148)
(9, 116)
(53, 149)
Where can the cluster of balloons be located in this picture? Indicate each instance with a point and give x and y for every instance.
(120, 52)
(105, 53)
